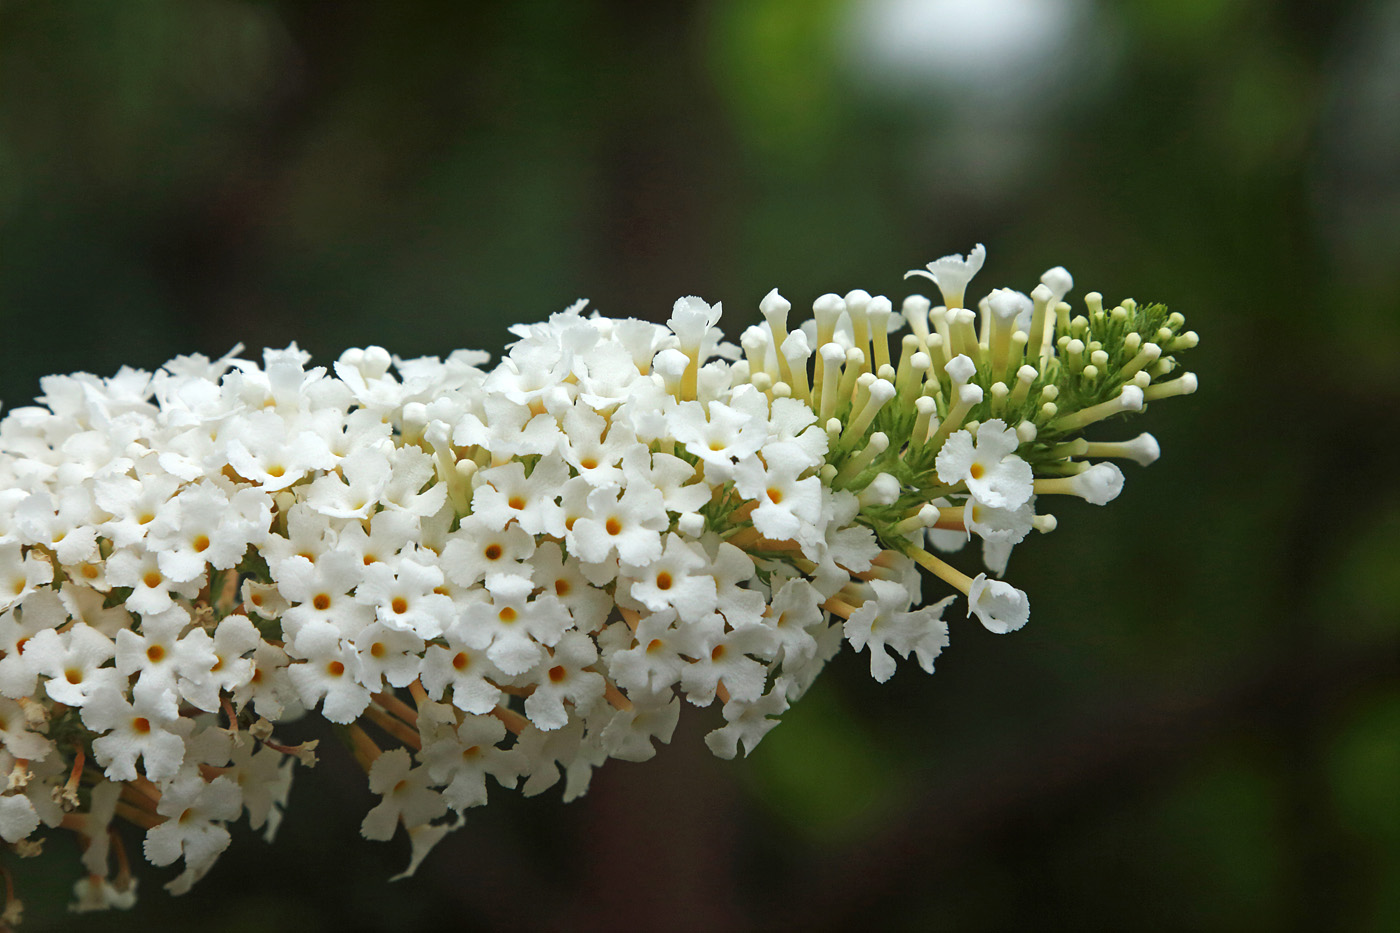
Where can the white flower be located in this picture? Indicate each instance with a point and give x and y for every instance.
(234, 637)
(504, 494)
(408, 490)
(403, 596)
(607, 372)
(534, 371)
(518, 626)
(262, 599)
(264, 776)
(389, 533)
(733, 573)
(791, 420)
(16, 737)
(160, 657)
(354, 488)
(1000, 530)
(387, 654)
(668, 475)
(151, 589)
(64, 525)
(320, 592)
(793, 614)
(588, 605)
(1000, 606)
(465, 669)
(328, 668)
(848, 548)
(953, 273)
(269, 688)
(514, 429)
(40, 610)
(594, 447)
(204, 526)
(20, 573)
(265, 451)
(561, 677)
(725, 436)
(881, 623)
(627, 526)
(723, 655)
(787, 502)
(93, 892)
(693, 322)
(406, 795)
(462, 757)
(196, 813)
(541, 751)
(653, 662)
(478, 548)
(309, 535)
(747, 722)
(629, 732)
(86, 604)
(1099, 485)
(989, 466)
(929, 632)
(141, 729)
(17, 817)
(73, 661)
(672, 580)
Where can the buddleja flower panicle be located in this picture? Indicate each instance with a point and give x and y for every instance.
(516, 572)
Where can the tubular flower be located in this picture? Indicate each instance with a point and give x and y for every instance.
(520, 570)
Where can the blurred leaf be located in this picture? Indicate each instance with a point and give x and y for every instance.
(1364, 773)
(822, 773)
(1364, 766)
(775, 60)
(1361, 590)
(1220, 829)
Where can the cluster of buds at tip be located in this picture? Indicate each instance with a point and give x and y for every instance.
(517, 572)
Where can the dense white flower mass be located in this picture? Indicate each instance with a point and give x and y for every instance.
(516, 572)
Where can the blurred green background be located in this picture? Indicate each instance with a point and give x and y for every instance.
(1201, 726)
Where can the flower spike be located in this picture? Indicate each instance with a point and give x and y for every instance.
(515, 572)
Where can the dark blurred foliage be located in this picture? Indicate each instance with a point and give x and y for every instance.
(1201, 726)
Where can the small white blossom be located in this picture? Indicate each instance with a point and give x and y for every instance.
(747, 722)
(462, 757)
(406, 795)
(629, 733)
(675, 579)
(1000, 606)
(953, 273)
(561, 678)
(465, 669)
(328, 668)
(722, 655)
(988, 466)
(20, 573)
(194, 829)
(1099, 485)
(73, 663)
(139, 729)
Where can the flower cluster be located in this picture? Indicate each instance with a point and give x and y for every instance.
(517, 572)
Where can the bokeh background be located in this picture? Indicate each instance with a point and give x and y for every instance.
(1201, 726)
